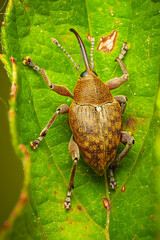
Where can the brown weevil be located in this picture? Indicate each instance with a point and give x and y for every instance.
(94, 117)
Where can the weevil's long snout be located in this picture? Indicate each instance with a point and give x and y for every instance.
(85, 57)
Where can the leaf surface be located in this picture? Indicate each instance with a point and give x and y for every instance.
(30, 25)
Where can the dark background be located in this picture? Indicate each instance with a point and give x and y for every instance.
(11, 173)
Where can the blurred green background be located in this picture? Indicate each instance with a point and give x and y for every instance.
(11, 172)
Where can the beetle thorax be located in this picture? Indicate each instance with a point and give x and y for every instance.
(91, 90)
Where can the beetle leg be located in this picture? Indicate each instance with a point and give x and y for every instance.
(60, 89)
(61, 110)
(126, 138)
(74, 151)
(116, 82)
(122, 100)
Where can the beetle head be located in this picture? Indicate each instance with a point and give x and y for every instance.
(89, 69)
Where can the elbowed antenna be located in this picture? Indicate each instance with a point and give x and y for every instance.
(85, 57)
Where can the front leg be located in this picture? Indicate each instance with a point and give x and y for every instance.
(116, 82)
(60, 89)
(61, 110)
(126, 139)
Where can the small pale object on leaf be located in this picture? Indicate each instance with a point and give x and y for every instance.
(107, 43)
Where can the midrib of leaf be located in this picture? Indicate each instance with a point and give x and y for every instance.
(107, 188)
(105, 177)
(50, 15)
(88, 19)
(106, 182)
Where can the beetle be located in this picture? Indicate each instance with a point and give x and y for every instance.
(95, 117)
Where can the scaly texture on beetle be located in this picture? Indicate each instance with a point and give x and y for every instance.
(96, 130)
(94, 117)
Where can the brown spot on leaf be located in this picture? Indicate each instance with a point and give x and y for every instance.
(43, 178)
(143, 120)
(107, 43)
(79, 208)
(86, 227)
(61, 228)
(106, 203)
(69, 221)
(84, 235)
(143, 150)
(55, 192)
(49, 165)
(27, 8)
(153, 217)
(123, 189)
(131, 123)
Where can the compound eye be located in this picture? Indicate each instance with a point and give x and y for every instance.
(95, 73)
(84, 74)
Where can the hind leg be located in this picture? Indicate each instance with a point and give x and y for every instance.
(74, 151)
(128, 140)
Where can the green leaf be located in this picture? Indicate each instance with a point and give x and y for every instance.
(39, 214)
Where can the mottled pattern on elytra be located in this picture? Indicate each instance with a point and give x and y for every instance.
(97, 132)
